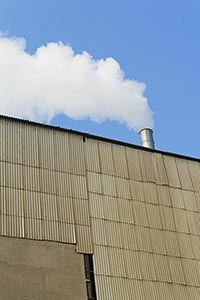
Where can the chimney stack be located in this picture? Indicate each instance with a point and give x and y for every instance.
(146, 137)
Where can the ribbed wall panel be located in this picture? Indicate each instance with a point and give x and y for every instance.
(143, 238)
(83, 237)
(125, 211)
(63, 184)
(33, 229)
(133, 164)
(147, 265)
(128, 232)
(153, 215)
(106, 158)
(139, 212)
(132, 264)
(32, 205)
(171, 243)
(61, 151)
(46, 148)
(65, 209)
(110, 208)
(184, 174)
(137, 192)
(162, 268)
(96, 205)
(161, 169)
(67, 233)
(79, 187)
(113, 234)
(120, 163)
(109, 185)
(81, 211)
(167, 218)
(150, 192)
(180, 220)
(123, 189)
(94, 182)
(157, 241)
(30, 144)
(190, 200)
(77, 158)
(147, 162)
(99, 234)
(177, 198)
(176, 270)
(31, 178)
(13, 140)
(164, 197)
(47, 181)
(102, 263)
(92, 156)
(117, 263)
(49, 207)
(172, 172)
(195, 174)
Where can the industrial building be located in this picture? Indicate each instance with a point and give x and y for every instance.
(84, 217)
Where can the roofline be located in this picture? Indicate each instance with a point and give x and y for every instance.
(100, 138)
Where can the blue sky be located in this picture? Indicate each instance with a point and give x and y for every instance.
(155, 42)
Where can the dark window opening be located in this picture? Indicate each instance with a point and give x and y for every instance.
(89, 277)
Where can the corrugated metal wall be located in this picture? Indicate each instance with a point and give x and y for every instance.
(138, 212)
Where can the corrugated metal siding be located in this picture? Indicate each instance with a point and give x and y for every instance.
(138, 212)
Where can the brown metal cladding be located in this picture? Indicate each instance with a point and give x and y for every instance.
(133, 164)
(195, 174)
(184, 174)
(172, 172)
(136, 189)
(106, 158)
(83, 237)
(120, 162)
(94, 182)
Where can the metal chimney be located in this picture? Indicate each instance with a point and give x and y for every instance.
(146, 137)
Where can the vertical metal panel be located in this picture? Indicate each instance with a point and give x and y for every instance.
(11, 175)
(180, 220)
(113, 234)
(14, 141)
(157, 241)
(50, 230)
(143, 238)
(123, 189)
(162, 268)
(110, 207)
(197, 196)
(67, 233)
(165, 291)
(180, 292)
(96, 205)
(147, 265)
(79, 187)
(31, 178)
(139, 212)
(161, 174)
(136, 289)
(150, 192)
(46, 148)
(108, 185)
(117, 264)
(92, 155)
(184, 174)
(195, 243)
(49, 207)
(106, 158)
(32, 205)
(171, 243)
(81, 212)
(104, 287)
(146, 157)
(77, 158)
(190, 273)
(47, 181)
(125, 211)
(132, 264)
(167, 218)
(136, 189)
(195, 174)
(190, 200)
(63, 184)
(4, 140)
(120, 163)
(14, 204)
(142, 165)
(84, 240)
(128, 236)
(193, 221)
(176, 270)
(151, 290)
(30, 145)
(33, 229)
(12, 226)
(172, 172)
(193, 293)
(153, 215)
(101, 260)
(99, 235)
(177, 198)
(133, 164)
(164, 197)
(61, 151)
(65, 209)
(94, 182)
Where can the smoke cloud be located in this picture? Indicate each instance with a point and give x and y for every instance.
(55, 80)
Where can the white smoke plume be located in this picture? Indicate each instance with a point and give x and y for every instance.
(55, 80)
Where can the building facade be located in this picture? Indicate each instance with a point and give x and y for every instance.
(84, 217)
